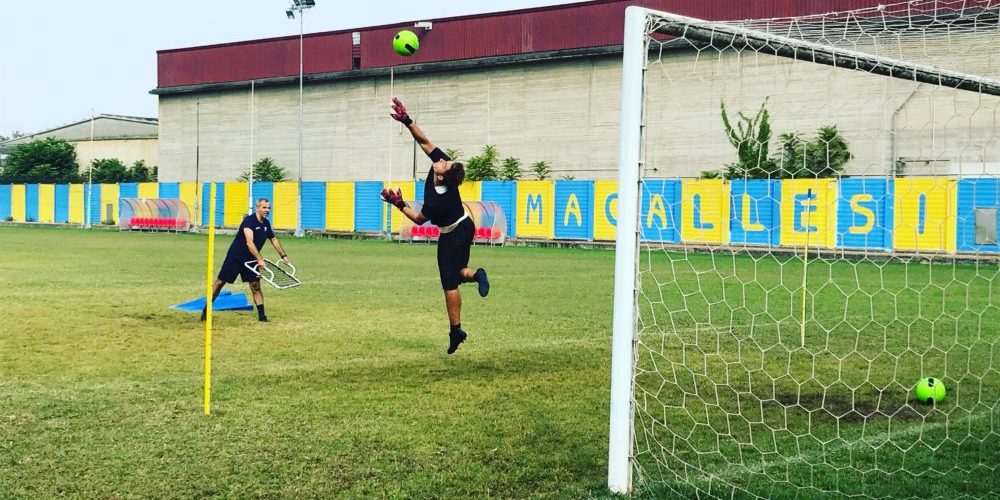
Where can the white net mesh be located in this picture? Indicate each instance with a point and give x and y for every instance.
(804, 266)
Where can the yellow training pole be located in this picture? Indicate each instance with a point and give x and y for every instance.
(805, 263)
(208, 300)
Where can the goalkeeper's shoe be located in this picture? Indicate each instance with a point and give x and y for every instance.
(484, 282)
(454, 339)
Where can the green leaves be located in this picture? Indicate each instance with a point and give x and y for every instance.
(266, 170)
(48, 160)
(798, 157)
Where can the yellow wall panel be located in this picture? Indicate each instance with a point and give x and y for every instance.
(605, 210)
(536, 209)
(925, 211)
(189, 195)
(17, 202)
(149, 190)
(285, 205)
(819, 212)
(46, 203)
(76, 203)
(409, 189)
(340, 206)
(705, 210)
(236, 203)
(109, 197)
(470, 191)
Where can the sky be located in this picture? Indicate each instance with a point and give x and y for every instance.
(62, 60)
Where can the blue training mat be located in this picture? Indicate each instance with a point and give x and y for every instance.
(226, 301)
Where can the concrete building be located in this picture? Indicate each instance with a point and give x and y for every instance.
(544, 85)
(128, 138)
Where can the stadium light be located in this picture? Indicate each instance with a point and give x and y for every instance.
(300, 6)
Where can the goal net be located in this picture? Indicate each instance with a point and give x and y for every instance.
(807, 227)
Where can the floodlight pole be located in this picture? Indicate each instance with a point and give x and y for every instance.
(300, 6)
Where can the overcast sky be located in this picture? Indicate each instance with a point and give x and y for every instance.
(62, 59)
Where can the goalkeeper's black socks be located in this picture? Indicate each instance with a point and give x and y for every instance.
(455, 337)
(260, 313)
(204, 313)
(483, 281)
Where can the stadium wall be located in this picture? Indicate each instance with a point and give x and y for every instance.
(871, 214)
(566, 112)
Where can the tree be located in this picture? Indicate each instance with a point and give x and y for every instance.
(265, 170)
(751, 138)
(484, 166)
(824, 156)
(106, 171)
(510, 169)
(541, 169)
(13, 135)
(139, 172)
(797, 157)
(49, 161)
(454, 154)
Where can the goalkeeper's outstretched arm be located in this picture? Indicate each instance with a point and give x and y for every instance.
(399, 114)
(395, 198)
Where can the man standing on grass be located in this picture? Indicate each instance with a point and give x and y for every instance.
(245, 247)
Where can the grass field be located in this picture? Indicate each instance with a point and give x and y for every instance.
(348, 392)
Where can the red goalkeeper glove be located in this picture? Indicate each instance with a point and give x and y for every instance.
(399, 113)
(393, 198)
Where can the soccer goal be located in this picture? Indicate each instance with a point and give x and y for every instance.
(807, 227)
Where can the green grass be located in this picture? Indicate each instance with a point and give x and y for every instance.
(348, 393)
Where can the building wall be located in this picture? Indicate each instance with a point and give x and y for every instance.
(567, 113)
(127, 150)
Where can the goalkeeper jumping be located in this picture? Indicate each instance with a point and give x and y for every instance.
(443, 207)
(250, 238)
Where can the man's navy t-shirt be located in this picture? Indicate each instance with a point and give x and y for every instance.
(261, 233)
(443, 209)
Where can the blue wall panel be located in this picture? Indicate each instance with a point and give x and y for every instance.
(31, 202)
(170, 190)
(4, 201)
(761, 225)
(864, 213)
(368, 206)
(574, 210)
(62, 203)
(503, 193)
(973, 194)
(660, 216)
(128, 190)
(92, 192)
(220, 202)
(314, 205)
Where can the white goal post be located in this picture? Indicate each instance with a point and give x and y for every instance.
(649, 38)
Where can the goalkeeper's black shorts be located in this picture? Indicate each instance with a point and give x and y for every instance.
(231, 268)
(453, 253)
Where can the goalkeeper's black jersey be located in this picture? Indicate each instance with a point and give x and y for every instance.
(443, 209)
(261, 233)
